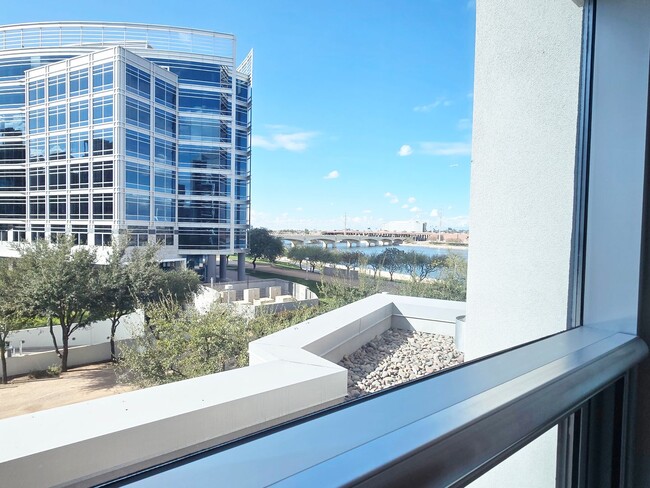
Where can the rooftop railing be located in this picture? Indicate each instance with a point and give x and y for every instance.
(73, 34)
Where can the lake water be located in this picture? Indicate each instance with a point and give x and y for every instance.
(429, 251)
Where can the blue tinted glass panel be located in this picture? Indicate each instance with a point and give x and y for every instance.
(36, 92)
(37, 150)
(138, 113)
(14, 124)
(137, 176)
(103, 110)
(194, 156)
(36, 121)
(164, 209)
(103, 77)
(137, 207)
(165, 181)
(12, 152)
(165, 152)
(57, 148)
(200, 101)
(79, 145)
(102, 142)
(193, 238)
(12, 96)
(203, 184)
(165, 123)
(56, 88)
(56, 117)
(197, 73)
(79, 113)
(137, 145)
(79, 82)
(138, 81)
(165, 93)
(12, 180)
(14, 68)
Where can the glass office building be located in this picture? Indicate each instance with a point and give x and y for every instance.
(108, 128)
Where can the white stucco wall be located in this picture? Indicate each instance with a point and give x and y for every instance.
(523, 155)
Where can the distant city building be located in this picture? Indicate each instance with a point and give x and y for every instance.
(108, 128)
(405, 226)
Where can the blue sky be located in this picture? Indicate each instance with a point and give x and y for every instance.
(360, 108)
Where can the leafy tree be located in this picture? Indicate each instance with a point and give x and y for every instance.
(392, 259)
(57, 282)
(419, 265)
(376, 263)
(11, 318)
(349, 259)
(263, 245)
(298, 254)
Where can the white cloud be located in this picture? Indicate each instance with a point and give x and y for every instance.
(415, 209)
(388, 194)
(405, 150)
(289, 141)
(393, 198)
(464, 124)
(411, 200)
(298, 209)
(332, 175)
(434, 213)
(440, 102)
(367, 211)
(406, 205)
(454, 165)
(446, 148)
(470, 95)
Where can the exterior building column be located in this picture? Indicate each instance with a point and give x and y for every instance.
(211, 271)
(223, 266)
(241, 266)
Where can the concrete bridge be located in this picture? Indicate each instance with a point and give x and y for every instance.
(331, 240)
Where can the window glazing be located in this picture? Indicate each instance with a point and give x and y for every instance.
(14, 68)
(57, 207)
(240, 239)
(137, 207)
(165, 93)
(78, 207)
(165, 181)
(56, 117)
(12, 152)
(36, 179)
(79, 82)
(79, 113)
(12, 207)
(165, 123)
(12, 180)
(241, 116)
(201, 101)
(241, 164)
(79, 175)
(242, 91)
(37, 207)
(138, 81)
(241, 190)
(203, 184)
(14, 124)
(103, 235)
(80, 235)
(196, 73)
(165, 152)
(138, 145)
(200, 157)
(56, 149)
(56, 87)
(241, 140)
(36, 92)
(36, 123)
(203, 129)
(102, 174)
(12, 96)
(102, 142)
(197, 237)
(241, 213)
(79, 145)
(203, 211)
(57, 177)
(137, 176)
(103, 77)
(38, 232)
(37, 150)
(56, 231)
(138, 113)
(164, 209)
(102, 206)
(103, 109)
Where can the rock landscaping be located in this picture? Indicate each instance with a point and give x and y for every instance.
(397, 356)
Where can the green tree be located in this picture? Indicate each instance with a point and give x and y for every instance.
(263, 245)
(392, 259)
(11, 318)
(298, 254)
(419, 266)
(57, 282)
(376, 263)
(349, 259)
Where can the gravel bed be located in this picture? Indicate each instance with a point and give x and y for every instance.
(397, 356)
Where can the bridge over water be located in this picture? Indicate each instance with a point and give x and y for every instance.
(331, 240)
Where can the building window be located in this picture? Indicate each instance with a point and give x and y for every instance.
(37, 207)
(164, 209)
(203, 211)
(138, 81)
(102, 174)
(102, 206)
(14, 124)
(165, 93)
(165, 236)
(56, 231)
(103, 235)
(213, 238)
(241, 214)
(103, 77)
(241, 116)
(199, 129)
(78, 207)
(240, 239)
(37, 179)
(36, 92)
(12, 207)
(165, 181)
(57, 207)
(200, 101)
(202, 157)
(241, 190)
(12, 152)
(137, 176)
(137, 207)
(79, 175)
(165, 123)
(80, 235)
(56, 148)
(241, 164)
(137, 145)
(36, 121)
(37, 150)
(12, 180)
(56, 88)
(242, 91)
(78, 82)
(56, 117)
(241, 140)
(165, 152)
(79, 145)
(102, 142)
(12, 96)
(203, 184)
(38, 231)
(79, 113)
(138, 113)
(138, 236)
(57, 177)
(103, 110)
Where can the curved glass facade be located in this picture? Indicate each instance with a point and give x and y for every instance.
(124, 126)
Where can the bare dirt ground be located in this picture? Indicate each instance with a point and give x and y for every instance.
(24, 396)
